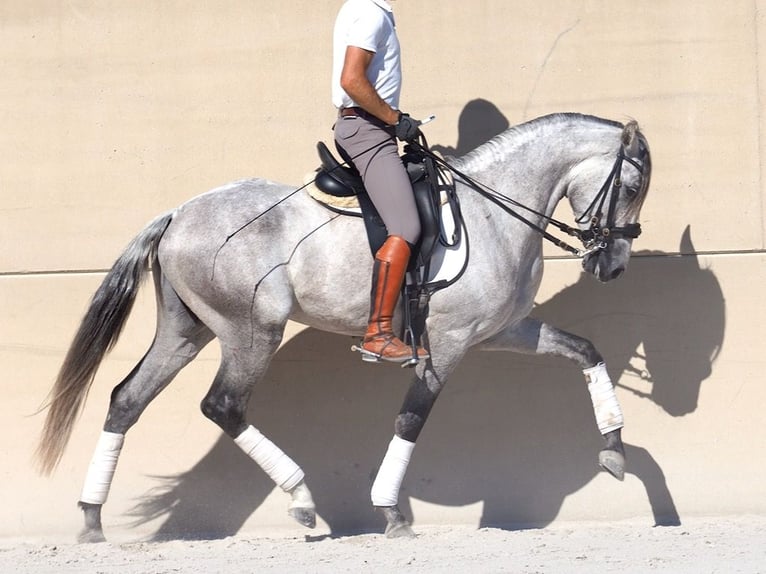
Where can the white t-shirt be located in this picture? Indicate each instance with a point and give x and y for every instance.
(368, 24)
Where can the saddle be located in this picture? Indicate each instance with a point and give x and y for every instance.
(431, 186)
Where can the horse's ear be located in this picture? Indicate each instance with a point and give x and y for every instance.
(686, 245)
(629, 139)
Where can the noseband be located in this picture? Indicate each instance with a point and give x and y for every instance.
(597, 237)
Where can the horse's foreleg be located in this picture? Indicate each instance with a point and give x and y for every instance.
(226, 405)
(385, 489)
(534, 337)
(412, 417)
(609, 419)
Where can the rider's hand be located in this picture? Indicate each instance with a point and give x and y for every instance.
(406, 128)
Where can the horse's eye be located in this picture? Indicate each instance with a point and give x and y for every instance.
(631, 191)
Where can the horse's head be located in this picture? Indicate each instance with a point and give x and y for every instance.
(607, 192)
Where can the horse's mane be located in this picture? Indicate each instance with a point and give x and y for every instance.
(506, 142)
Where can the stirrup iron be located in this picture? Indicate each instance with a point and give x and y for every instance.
(370, 357)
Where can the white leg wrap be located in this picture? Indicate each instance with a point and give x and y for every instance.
(605, 406)
(98, 480)
(385, 489)
(280, 467)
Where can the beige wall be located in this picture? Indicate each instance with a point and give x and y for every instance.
(113, 111)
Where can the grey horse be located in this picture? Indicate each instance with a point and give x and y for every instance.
(237, 263)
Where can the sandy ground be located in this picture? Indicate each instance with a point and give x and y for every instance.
(700, 545)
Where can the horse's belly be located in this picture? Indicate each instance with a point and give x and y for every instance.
(335, 300)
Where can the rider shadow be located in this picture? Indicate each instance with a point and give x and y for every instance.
(513, 432)
(479, 121)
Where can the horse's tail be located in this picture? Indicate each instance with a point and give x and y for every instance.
(99, 330)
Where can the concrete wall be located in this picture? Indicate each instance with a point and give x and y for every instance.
(115, 111)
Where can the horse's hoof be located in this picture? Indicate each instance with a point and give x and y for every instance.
(302, 507)
(304, 516)
(91, 536)
(396, 524)
(613, 462)
(400, 530)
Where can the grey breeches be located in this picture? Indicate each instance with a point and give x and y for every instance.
(376, 156)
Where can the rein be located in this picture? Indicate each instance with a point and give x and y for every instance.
(593, 239)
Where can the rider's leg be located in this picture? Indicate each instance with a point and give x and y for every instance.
(387, 278)
(375, 154)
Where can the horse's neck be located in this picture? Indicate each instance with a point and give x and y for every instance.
(527, 175)
(531, 164)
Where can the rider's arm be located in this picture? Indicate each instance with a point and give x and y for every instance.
(353, 80)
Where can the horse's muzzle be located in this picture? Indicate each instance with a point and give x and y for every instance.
(603, 266)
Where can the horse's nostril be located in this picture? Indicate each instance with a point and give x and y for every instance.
(617, 273)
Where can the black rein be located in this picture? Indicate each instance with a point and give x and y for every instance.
(593, 238)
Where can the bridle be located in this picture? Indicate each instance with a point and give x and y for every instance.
(595, 238)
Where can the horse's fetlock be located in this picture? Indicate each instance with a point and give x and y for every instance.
(613, 440)
(590, 355)
(93, 531)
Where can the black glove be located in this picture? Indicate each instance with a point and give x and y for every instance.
(406, 128)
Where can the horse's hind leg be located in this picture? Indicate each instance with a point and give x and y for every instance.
(179, 338)
(226, 405)
(534, 337)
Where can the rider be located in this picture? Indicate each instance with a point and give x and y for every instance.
(366, 84)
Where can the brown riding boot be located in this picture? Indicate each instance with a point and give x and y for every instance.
(387, 277)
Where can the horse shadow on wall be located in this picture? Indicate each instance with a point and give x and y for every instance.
(513, 432)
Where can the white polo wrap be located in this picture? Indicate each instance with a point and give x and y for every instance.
(280, 467)
(98, 479)
(385, 489)
(605, 406)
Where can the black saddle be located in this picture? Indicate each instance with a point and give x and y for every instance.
(341, 180)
